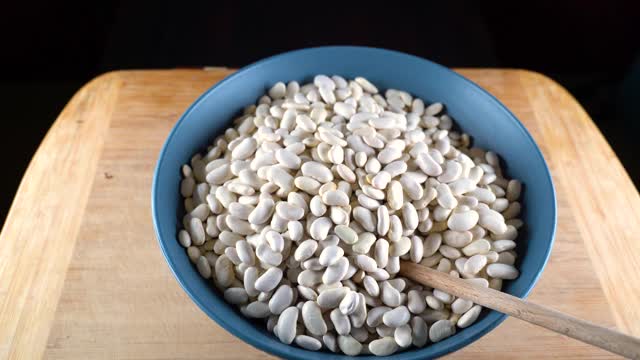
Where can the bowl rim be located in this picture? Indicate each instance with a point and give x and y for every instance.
(463, 339)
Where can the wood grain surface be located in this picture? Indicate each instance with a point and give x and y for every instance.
(82, 277)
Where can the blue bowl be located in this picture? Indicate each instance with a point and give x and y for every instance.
(477, 112)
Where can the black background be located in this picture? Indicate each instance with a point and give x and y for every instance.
(48, 50)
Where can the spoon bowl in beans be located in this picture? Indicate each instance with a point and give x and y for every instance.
(286, 197)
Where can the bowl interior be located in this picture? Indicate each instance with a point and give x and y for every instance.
(489, 123)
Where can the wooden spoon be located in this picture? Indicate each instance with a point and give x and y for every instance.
(611, 340)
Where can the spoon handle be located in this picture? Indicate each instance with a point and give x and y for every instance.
(611, 340)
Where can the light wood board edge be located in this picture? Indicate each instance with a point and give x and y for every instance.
(604, 201)
(39, 234)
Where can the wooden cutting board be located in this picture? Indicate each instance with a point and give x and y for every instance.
(82, 277)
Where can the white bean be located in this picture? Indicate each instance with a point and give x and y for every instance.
(381, 180)
(411, 187)
(374, 317)
(383, 346)
(364, 243)
(402, 335)
(502, 271)
(204, 268)
(184, 238)
(267, 255)
(269, 280)
(503, 245)
(308, 342)
(249, 279)
(346, 234)
(330, 255)
(317, 171)
(396, 317)
(395, 228)
(281, 299)
(395, 198)
(349, 303)
(320, 228)
(400, 247)
(335, 198)
(288, 211)
(514, 187)
(480, 246)
(432, 244)
(474, 264)
(366, 263)
(410, 216)
(196, 231)
(340, 322)
(236, 296)
(317, 207)
(287, 325)
(359, 316)
(307, 293)
(396, 168)
(313, 320)
(460, 306)
(349, 345)
(224, 271)
(440, 330)
(336, 272)
(305, 250)
(457, 239)
(245, 252)
(416, 302)
(393, 267)
(330, 342)
(307, 184)
(383, 220)
(419, 331)
(366, 85)
(331, 298)
(256, 309)
(428, 165)
(445, 197)
(389, 295)
(371, 286)
(365, 218)
(462, 220)
(492, 221)
(381, 253)
(469, 317)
